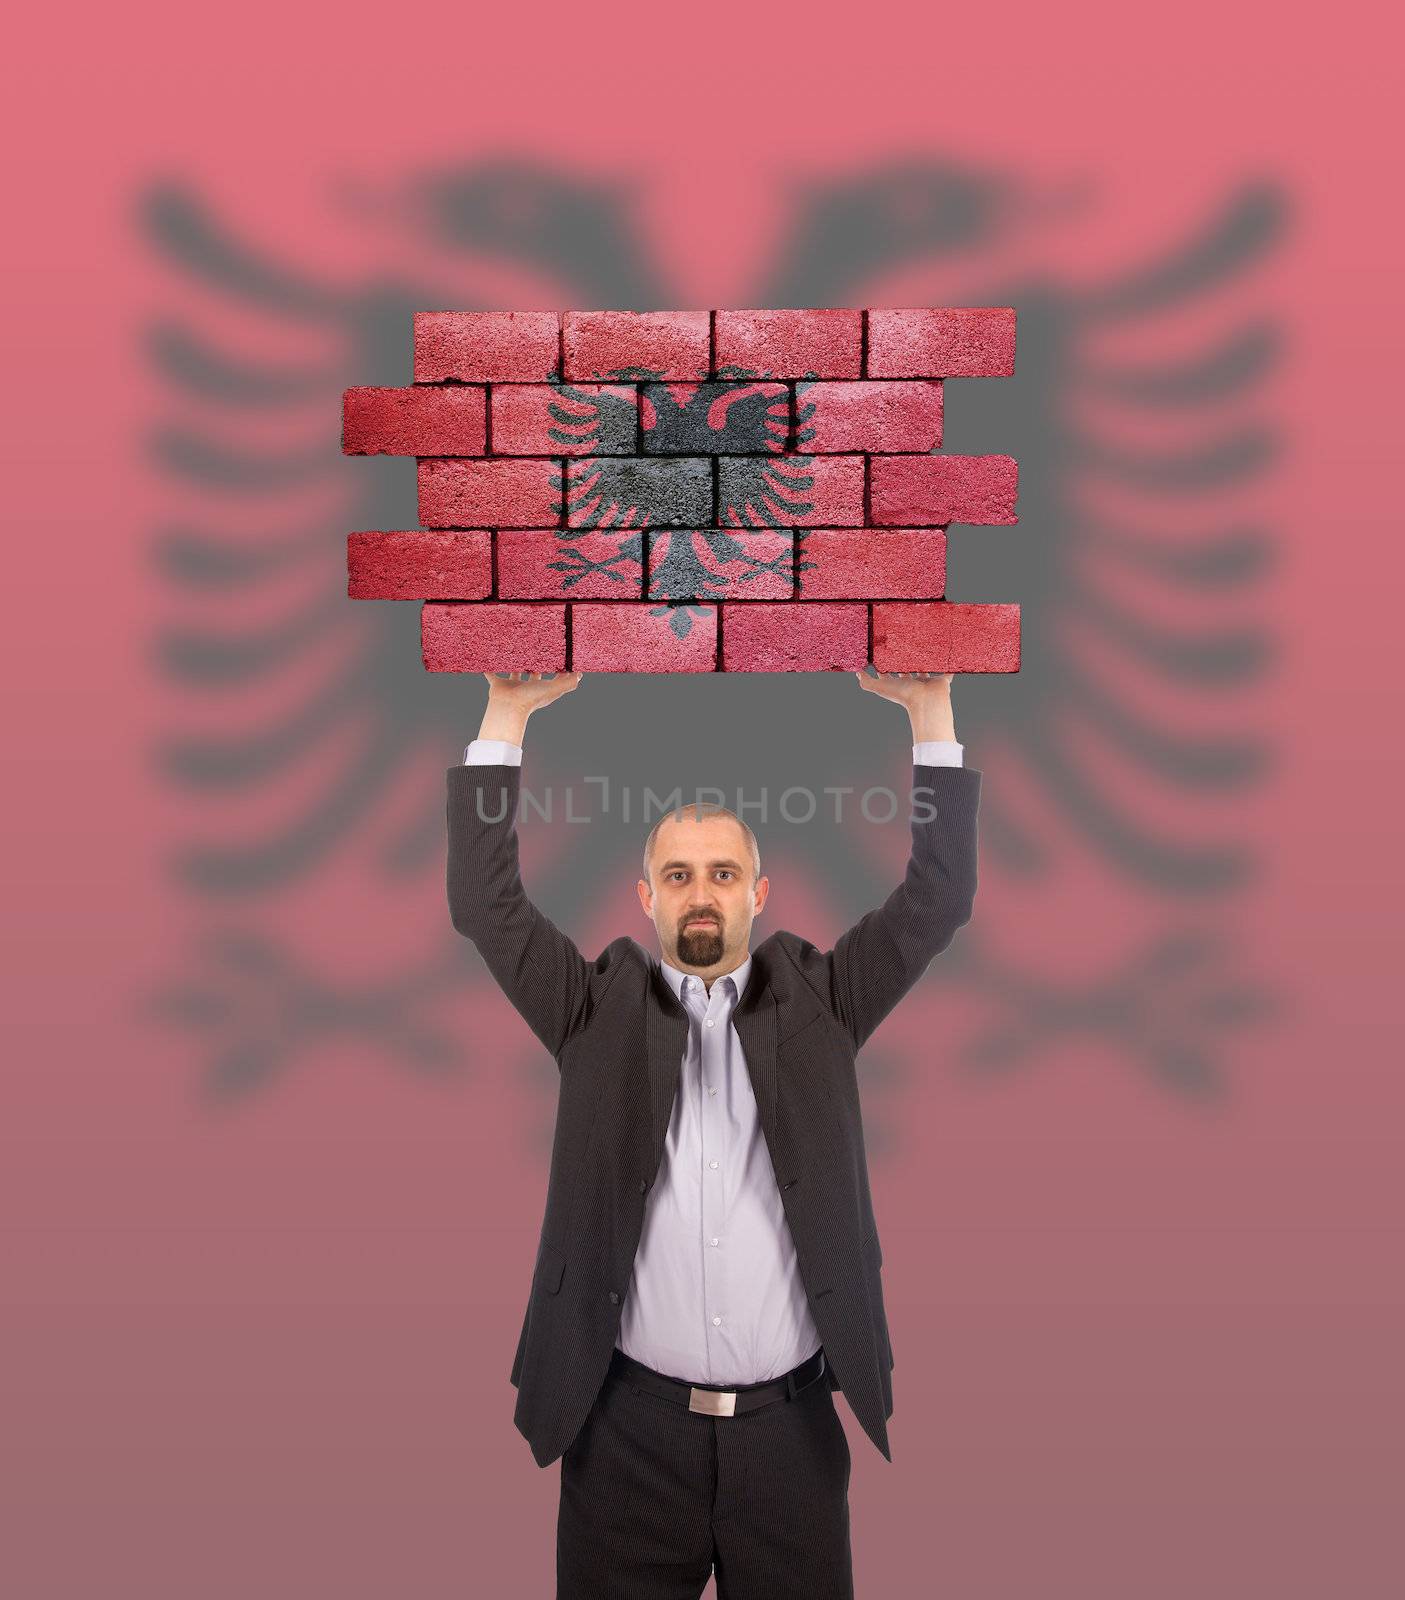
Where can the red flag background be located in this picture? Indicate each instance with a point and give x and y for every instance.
(275, 1149)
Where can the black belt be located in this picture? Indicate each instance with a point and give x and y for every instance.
(712, 1399)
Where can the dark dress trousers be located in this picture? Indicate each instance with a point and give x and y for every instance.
(618, 1034)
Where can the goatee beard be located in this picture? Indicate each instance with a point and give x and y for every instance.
(700, 947)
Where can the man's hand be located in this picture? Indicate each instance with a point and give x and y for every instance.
(514, 696)
(926, 695)
(530, 690)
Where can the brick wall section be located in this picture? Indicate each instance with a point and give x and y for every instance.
(487, 347)
(639, 491)
(689, 491)
(420, 566)
(791, 344)
(881, 417)
(932, 491)
(871, 564)
(800, 491)
(506, 493)
(918, 638)
(414, 422)
(765, 638)
(638, 638)
(948, 341)
(535, 419)
(538, 564)
(464, 638)
(709, 563)
(661, 344)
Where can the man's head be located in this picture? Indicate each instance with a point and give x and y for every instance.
(702, 862)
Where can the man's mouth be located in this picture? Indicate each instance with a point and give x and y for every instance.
(703, 922)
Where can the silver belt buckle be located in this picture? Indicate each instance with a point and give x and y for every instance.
(714, 1402)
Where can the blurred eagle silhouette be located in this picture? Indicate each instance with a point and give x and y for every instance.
(1140, 573)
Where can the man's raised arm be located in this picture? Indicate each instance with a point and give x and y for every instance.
(535, 964)
(874, 963)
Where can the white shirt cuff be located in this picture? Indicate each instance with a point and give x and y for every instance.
(937, 753)
(502, 752)
(492, 752)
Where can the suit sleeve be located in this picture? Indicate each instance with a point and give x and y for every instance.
(875, 962)
(535, 964)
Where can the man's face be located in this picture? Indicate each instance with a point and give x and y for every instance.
(702, 898)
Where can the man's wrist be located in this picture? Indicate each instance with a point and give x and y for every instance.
(933, 722)
(501, 723)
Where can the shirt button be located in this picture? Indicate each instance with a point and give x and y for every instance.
(709, 1022)
(712, 1091)
(712, 1163)
(717, 1322)
(614, 1298)
(714, 1241)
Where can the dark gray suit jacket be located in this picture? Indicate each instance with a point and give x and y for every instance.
(618, 1034)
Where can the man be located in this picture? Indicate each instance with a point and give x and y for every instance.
(708, 1270)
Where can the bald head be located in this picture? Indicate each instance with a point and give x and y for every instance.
(747, 851)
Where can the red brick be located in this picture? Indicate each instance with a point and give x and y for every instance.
(796, 491)
(643, 638)
(489, 637)
(484, 346)
(942, 342)
(419, 566)
(794, 636)
(871, 564)
(868, 416)
(638, 491)
(553, 563)
(718, 563)
(942, 637)
(413, 422)
(543, 419)
(789, 344)
(738, 419)
(926, 491)
(638, 344)
(495, 494)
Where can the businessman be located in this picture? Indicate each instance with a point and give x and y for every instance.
(708, 1270)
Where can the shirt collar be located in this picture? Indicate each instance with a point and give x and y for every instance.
(738, 975)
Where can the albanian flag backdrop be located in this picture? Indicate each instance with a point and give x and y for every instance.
(275, 1146)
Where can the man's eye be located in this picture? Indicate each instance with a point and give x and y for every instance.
(726, 872)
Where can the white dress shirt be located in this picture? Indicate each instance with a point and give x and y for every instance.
(715, 1295)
